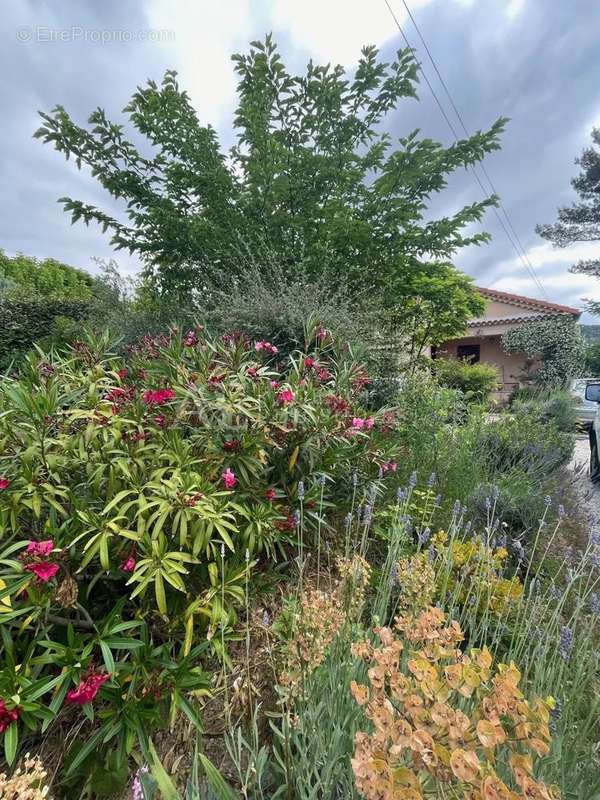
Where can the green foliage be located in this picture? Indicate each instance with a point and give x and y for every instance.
(548, 406)
(476, 381)
(30, 320)
(554, 347)
(313, 183)
(135, 497)
(26, 277)
(592, 360)
(580, 222)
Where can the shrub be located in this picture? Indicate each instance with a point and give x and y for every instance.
(548, 406)
(135, 496)
(28, 321)
(476, 381)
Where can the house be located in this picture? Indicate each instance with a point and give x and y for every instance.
(483, 341)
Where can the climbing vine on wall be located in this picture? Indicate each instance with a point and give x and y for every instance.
(554, 347)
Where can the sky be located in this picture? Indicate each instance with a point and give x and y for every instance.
(534, 61)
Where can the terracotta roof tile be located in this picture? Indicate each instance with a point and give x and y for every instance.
(527, 302)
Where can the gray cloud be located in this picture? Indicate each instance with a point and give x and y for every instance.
(540, 67)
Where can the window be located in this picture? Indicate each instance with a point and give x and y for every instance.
(468, 352)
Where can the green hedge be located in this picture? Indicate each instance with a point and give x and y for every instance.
(24, 322)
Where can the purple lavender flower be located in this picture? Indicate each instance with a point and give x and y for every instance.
(266, 621)
(393, 575)
(438, 500)
(432, 480)
(424, 536)
(456, 508)
(401, 494)
(495, 492)
(368, 516)
(547, 500)
(595, 603)
(348, 519)
(296, 517)
(565, 644)
(300, 490)
(561, 510)
(555, 592)
(412, 482)
(322, 480)
(431, 554)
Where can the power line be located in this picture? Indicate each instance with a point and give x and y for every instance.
(512, 238)
(466, 132)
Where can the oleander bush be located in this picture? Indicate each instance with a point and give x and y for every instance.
(136, 496)
(476, 381)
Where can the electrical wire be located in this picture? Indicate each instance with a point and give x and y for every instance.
(513, 237)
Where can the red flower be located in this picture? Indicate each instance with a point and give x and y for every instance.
(338, 405)
(271, 494)
(324, 374)
(161, 421)
(129, 564)
(321, 333)
(43, 570)
(309, 362)
(123, 373)
(252, 372)
(40, 548)
(285, 396)
(7, 715)
(88, 689)
(191, 339)
(158, 396)
(274, 384)
(231, 445)
(229, 479)
(4, 482)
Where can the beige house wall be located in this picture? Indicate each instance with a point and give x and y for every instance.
(510, 366)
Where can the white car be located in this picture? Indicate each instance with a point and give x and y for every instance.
(584, 408)
(592, 395)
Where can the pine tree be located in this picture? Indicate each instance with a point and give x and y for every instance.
(580, 222)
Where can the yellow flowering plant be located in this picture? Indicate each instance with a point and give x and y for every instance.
(445, 723)
(472, 571)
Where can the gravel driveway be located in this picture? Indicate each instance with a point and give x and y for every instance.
(588, 492)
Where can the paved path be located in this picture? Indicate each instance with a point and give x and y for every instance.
(588, 492)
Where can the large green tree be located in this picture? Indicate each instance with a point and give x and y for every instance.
(26, 276)
(580, 222)
(313, 181)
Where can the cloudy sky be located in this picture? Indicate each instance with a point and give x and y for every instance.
(535, 61)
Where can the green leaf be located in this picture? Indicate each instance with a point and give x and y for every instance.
(11, 740)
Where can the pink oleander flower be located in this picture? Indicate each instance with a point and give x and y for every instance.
(324, 375)
(41, 549)
(391, 466)
(7, 715)
(309, 362)
(252, 372)
(4, 482)
(191, 339)
(129, 564)
(321, 333)
(123, 373)
(232, 445)
(43, 570)
(369, 423)
(285, 397)
(266, 346)
(157, 397)
(274, 384)
(88, 689)
(358, 423)
(161, 421)
(271, 494)
(229, 479)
